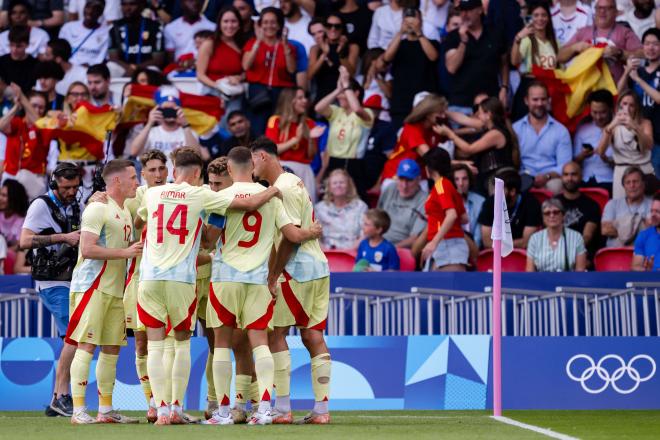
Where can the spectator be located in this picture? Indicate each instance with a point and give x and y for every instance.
(340, 212)
(534, 45)
(135, 41)
(624, 217)
(48, 74)
(404, 203)
(524, 212)
(146, 76)
(166, 129)
(497, 148)
(375, 253)
(18, 66)
(19, 15)
(241, 135)
(380, 141)
(45, 14)
(180, 32)
(644, 80)
(596, 172)
(332, 50)
(3, 254)
(413, 58)
(445, 212)
(13, 207)
(297, 23)
(376, 79)
(387, 21)
(349, 124)
(111, 10)
(59, 51)
(296, 135)
(98, 81)
(581, 213)
(641, 17)
(476, 56)
(555, 248)
(356, 15)
(568, 16)
(545, 144)
(647, 244)
(27, 146)
(620, 41)
(269, 62)
(463, 179)
(631, 138)
(88, 37)
(246, 9)
(219, 65)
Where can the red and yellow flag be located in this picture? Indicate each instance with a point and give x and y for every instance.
(569, 88)
(202, 112)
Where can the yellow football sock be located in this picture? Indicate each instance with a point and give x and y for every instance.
(222, 376)
(282, 376)
(210, 382)
(143, 376)
(168, 363)
(263, 365)
(254, 391)
(156, 370)
(180, 371)
(243, 382)
(106, 372)
(80, 376)
(321, 377)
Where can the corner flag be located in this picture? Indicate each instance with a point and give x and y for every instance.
(501, 224)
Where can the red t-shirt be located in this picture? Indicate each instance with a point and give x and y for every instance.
(27, 148)
(443, 196)
(412, 136)
(297, 153)
(224, 61)
(261, 68)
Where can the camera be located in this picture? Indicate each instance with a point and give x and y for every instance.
(168, 113)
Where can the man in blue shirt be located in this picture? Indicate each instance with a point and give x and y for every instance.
(647, 243)
(545, 144)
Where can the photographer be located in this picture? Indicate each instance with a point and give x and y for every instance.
(167, 128)
(51, 233)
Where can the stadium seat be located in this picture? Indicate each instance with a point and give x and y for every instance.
(407, 262)
(340, 260)
(514, 262)
(598, 195)
(615, 259)
(9, 261)
(372, 197)
(541, 194)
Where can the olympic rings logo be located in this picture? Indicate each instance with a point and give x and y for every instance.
(607, 378)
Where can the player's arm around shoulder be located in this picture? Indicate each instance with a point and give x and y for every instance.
(255, 201)
(93, 221)
(292, 232)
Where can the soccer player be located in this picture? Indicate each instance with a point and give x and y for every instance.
(97, 287)
(154, 173)
(239, 291)
(302, 297)
(174, 214)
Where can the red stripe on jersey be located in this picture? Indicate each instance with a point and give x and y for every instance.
(186, 323)
(320, 326)
(262, 323)
(77, 313)
(226, 317)
(147, 319)
(302, 320)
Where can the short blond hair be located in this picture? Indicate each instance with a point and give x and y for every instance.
(352, 192)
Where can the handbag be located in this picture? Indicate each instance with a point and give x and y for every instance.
(229, 90)
(261, 97)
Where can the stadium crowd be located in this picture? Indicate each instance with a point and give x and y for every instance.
(395, 114)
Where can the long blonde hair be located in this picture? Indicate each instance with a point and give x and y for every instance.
(287, 116)
(351, 194)
(430, 104)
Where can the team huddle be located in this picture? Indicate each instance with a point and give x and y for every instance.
(242, 258)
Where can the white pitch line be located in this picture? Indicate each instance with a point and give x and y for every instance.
(407, 417)
(537, 429)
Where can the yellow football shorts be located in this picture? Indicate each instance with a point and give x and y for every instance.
(96, 318)
(202, 291)
(247, 306)
(130, 305)
(303, 304)
(167, 303)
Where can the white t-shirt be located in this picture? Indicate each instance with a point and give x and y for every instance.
(166, 141)
(88, 46)
(298, 32)
(386, 23)
(638, 25)
(38, 40)
(75, 73)
(179, 35)
(111, 12)
(566, 27)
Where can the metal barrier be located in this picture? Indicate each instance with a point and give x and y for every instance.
(22, 315)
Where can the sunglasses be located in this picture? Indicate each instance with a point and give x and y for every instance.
(554, 212)
(333, 25)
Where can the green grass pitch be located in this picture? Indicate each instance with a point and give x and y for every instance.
(361, 425)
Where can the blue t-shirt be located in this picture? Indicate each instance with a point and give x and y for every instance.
(381, 257)
(647, 243)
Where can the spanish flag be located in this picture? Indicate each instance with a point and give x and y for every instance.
(202, 112)
(86, 127)
(569, 88)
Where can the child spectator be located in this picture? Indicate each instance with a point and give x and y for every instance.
(375, 254)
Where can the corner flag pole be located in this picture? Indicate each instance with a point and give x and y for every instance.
(497, 297)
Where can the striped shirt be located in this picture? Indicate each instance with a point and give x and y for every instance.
(549, 259)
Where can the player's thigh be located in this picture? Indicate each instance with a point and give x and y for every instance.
(181, 304)
(114, 327)
(86, 312)
(316, 302)
(202, 290)
(152, 307)
(257, 310)
(225, 303)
